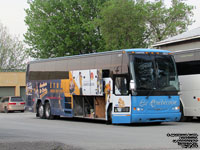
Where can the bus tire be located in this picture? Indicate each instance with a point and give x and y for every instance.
(41, 111)
(37, 109)
(183, 118)
(48, 113)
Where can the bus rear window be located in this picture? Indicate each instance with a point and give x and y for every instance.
(188, 68)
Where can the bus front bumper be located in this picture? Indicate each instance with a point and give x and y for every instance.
(146, 118)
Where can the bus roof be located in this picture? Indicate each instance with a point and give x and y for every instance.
(100, 53)
(146, 50)
(187, 55)
(112, 61)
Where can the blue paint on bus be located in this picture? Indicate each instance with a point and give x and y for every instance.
(151, 109)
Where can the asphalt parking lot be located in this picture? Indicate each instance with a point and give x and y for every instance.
(23, 131)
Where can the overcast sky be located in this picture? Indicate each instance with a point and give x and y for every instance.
(12, 15)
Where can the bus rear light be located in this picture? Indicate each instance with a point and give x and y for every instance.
(134, 108)
(11, 103)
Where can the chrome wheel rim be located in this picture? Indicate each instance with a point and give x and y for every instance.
(47, 112)
(41, 110)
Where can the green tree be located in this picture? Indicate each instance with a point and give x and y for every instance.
(140, 23)
(165, 22)
(12, 51)
(122, 24)
(64, 27)
(69, 27)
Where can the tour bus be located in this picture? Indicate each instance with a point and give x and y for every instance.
(188, 67)
(123, 86)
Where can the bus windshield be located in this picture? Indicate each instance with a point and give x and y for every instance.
(154, 72)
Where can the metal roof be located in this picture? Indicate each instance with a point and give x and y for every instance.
(189, 35)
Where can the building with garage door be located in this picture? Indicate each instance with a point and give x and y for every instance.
(189, 40)
(12, 84)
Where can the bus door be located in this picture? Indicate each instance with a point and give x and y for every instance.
(121, 112)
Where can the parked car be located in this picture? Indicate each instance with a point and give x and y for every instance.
(12, 103)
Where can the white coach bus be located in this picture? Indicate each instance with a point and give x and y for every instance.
(188, 66)
(123, 86)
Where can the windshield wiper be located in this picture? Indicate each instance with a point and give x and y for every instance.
(150, 93)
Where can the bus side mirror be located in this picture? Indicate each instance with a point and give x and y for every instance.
(132, 85)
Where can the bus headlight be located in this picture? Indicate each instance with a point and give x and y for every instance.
(176, 108)
(138, 108)
(121, 109)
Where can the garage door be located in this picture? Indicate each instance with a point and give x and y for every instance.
(22, 92)
(7, 91)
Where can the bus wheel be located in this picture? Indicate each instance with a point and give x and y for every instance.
(41, 111)
(48, 114)
(183, 118)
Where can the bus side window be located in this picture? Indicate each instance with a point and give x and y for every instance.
(121, 85)
(106, 73)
